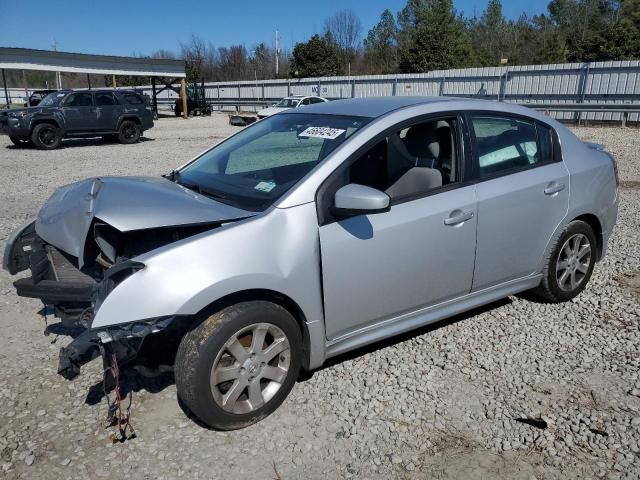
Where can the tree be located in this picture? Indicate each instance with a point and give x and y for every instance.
(380, 46)
(263, 61)
(199, 58)
(624, 41)
(316, 58)
(490, 35)
(432, 36)
(345, 29)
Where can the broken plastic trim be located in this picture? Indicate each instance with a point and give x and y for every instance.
(88, 345)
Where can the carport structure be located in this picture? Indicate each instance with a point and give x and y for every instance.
(45, 60)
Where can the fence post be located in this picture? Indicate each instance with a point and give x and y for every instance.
(582, 89)
(353, 88)
(288, 88)
(395, 86)
(319, 88)
(502, 92)
(441, 91)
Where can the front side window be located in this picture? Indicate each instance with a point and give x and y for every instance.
(506, 144)
(412, 161)
(288, 103)
(79, 99)
(257, 166)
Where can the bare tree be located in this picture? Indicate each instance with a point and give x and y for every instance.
(346, 29)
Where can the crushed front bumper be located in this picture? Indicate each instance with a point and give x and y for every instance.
(123, 340)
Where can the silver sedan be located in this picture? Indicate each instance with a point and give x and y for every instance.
(312, 233)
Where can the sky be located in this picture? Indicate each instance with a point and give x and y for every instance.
(118, 27)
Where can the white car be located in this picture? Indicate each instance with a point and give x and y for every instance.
(286, 103)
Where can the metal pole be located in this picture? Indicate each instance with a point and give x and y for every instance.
(154, 97)
(6, 92)
(89, 80)
(26, 92)
(113, 81)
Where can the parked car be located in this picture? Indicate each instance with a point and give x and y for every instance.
(114, 114)
(36, 97)
(312, 233)
(286, 103)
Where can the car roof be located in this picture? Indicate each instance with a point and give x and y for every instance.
(371, 107)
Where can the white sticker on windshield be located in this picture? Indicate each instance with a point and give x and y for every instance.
(60, 95)
(322, 132)
(265, 186)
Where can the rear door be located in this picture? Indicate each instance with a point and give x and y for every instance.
(523, 195)
(79, 112)
(107, 111)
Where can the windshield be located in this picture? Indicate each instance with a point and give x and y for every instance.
(288, 103)
(257, 166)
(52, 99)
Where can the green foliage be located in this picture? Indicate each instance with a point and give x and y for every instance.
(432, 36)
(316, 58)
(380, 46)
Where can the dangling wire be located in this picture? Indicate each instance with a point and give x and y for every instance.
(121, 420)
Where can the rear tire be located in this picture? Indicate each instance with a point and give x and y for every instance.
(129, 132)
(46, 136)
(239, 365)
(570, 264)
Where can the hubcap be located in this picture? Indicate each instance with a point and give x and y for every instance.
(573, 262)
(47, 136)
(129, 132)
(250, 368)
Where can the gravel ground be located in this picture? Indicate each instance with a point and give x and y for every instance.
(443, 402)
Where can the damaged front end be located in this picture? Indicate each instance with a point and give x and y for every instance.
(75, 295)
(84, 244)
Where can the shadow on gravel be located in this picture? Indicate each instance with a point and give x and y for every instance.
(304, 375)
(131, 381)
(80, 142)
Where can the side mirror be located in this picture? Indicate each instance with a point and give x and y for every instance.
(355, 199)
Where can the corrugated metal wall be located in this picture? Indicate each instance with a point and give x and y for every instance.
(599, 82)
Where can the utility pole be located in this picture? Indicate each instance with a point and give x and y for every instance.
(58, 77)
(277, 53)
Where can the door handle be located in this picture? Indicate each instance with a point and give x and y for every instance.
(554, 188)
(457, 217)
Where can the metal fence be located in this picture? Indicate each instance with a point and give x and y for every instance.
(584, 85)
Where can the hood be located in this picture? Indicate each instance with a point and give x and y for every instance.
(266, 112)
(127, 204)
(23, 109)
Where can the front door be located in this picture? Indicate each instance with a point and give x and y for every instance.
(79, 112)
(523, 195)
(421, 252)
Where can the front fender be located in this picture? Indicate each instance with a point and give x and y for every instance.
(277, 251)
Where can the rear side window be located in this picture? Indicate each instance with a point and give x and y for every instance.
(105, 99)
(133, 99)
(506, 144)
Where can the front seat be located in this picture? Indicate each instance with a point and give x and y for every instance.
(421, 152)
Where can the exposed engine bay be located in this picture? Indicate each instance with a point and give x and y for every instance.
(77, 258)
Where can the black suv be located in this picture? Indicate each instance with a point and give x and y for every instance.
(114, 114)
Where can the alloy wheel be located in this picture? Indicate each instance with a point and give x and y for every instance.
(250, 368)
(573, 262)
(47, 136)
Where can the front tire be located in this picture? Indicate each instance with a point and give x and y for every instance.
(46, 136)
(569, 266)
(239, 365)
(129, 132)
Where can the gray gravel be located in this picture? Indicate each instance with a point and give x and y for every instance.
(467, 398)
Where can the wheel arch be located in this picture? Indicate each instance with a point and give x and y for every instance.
(264, 294)
(37, 121)
(593, 221)
(133, 118)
